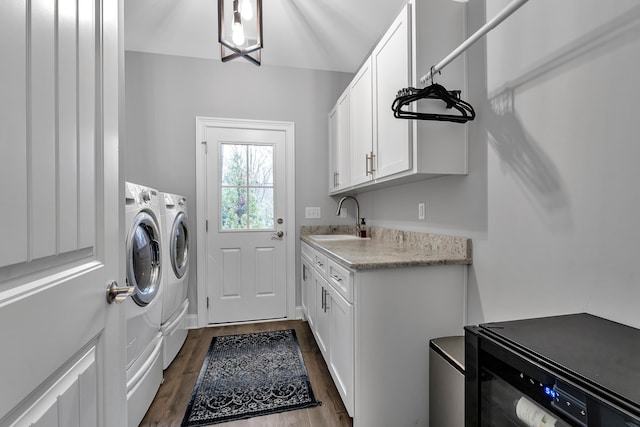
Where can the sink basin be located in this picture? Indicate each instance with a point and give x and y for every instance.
(334, 237)
(329, 237)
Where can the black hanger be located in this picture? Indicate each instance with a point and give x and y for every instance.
(409, 95)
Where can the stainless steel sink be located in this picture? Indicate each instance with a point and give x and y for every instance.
(331, 237)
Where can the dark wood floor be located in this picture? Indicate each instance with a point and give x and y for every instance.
(174, 394)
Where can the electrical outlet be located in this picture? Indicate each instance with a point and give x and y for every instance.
(421, 210)
(312, 213)
(344, 213)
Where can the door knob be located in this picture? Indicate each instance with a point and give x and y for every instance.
(118, 293)
(278, 234)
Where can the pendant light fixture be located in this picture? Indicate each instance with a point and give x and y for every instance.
(240, 29)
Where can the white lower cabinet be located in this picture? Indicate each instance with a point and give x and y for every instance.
(341, 346)
(397, 312)
(373, 328)
(330, 317)
(322, 328)
(334, 335)
(308, 291)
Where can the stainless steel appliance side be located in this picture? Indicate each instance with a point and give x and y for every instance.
(446, 382)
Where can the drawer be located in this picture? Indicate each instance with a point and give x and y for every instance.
(307, 251)
(341, 279)
(319, 261)
(316, 259)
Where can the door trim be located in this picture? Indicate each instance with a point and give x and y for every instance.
(202, 123)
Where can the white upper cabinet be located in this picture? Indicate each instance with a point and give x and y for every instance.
(361, 125)
(438, 27)
(333, 149)
(339, 153)
(391, 60)
(385, 150)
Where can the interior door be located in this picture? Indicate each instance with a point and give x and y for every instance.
(246, 214)
(62, 357)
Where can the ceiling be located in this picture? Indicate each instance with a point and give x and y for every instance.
(334, 35)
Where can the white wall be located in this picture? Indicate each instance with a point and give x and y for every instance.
(164, 94)
(552, 197)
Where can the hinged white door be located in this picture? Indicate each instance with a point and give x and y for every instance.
(246, 195)
(62, 357)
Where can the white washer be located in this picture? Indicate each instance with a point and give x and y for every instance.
(176, 273)
(144, 309)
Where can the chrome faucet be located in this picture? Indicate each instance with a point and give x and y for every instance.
(357, 211)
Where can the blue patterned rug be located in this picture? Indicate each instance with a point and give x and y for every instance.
(248, 375)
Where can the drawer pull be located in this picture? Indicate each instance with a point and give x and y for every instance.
(325, 307)
(336, 278)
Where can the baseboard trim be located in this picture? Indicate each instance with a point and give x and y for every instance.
(191, 321)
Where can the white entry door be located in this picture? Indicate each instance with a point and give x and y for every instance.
(61, 343)
(246, 218)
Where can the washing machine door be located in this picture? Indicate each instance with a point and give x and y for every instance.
(179, 248)
(143, 259)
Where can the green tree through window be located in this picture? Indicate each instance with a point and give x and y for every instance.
(246, 186)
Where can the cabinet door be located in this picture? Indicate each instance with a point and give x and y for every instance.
(333, 149)
(341, 352)
(391, 72)
(308, 291)
(343, 159)
(361, 125)
(321, 322)
(339, 136)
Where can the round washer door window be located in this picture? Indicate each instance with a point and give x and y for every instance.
(143, 259)
(180, 245)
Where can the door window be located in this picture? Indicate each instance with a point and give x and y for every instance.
(246, 191)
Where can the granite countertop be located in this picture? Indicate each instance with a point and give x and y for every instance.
(387, 248)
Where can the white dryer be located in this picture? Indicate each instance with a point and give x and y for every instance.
(176, 273)
(144, 309)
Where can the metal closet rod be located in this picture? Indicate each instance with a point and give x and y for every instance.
(490, 25)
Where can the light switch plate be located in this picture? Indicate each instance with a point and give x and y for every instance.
(312, 213)
(420, 210)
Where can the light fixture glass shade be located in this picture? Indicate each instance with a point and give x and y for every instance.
(246, 9)
(237, 31)
(240, 29)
